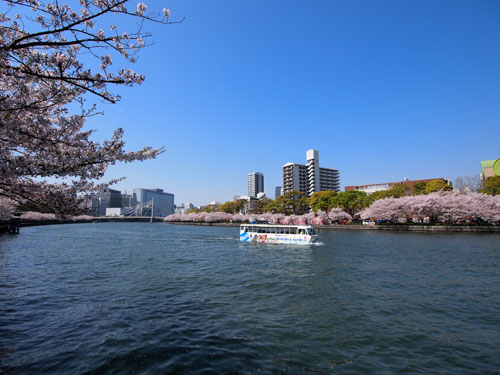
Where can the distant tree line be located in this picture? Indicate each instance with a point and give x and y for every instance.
(351, 202)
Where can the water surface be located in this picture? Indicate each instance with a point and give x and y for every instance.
(123, 298)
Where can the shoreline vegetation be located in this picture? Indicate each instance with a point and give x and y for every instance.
(437, 211)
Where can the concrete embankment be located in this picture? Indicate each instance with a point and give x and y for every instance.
(416, 228)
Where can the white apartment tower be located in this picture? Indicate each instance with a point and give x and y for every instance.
(312, 157)
(255, 184)
(309, 178)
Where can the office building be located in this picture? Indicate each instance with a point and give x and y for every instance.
(163, 203)
(309, 178)
(129, 200)
(113, 197)
(96, 204)
(255, 184)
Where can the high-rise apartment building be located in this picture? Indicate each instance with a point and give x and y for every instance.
(255, 184)
(309, 178)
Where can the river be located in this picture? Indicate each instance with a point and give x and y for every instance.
(142, 298)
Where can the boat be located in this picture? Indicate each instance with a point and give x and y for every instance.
(285, 234)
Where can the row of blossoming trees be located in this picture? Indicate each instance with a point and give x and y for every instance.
(439, 207)
(336, 215)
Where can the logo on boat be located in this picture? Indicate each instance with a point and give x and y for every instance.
(244, 237)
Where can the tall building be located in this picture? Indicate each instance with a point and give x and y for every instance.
(128, 200)
(309, 178)
(163, 203)
(113, 197)
(277, 191)
(255, 184)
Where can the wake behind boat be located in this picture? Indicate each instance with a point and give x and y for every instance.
(285, 234)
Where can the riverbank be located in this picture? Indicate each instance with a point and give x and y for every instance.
(417, 228)
(383, 227)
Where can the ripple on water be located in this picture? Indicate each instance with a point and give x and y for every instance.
(116, 298)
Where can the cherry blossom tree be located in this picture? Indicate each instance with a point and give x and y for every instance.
(276, 218)
(6, 208)
(42, 73)
(299, 219)
(339, 216)
(320, 218)
(37, 216)
(439, 207)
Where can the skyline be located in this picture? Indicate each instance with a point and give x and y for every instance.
(383, 91)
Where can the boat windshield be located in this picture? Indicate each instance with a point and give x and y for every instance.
(311, 231)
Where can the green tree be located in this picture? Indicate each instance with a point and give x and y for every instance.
(193, 211)
(491, 186)
(262, 205)
(399, 190)
(232, 207)
(437, 185)
(419, 188)
(210, 208)
(350, 201)
(293, 202)
(320, 200)
(381, 194)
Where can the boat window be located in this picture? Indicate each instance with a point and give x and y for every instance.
(301, 231)
(311, 231)
(245, 229)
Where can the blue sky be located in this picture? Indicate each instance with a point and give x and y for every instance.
(383, 89)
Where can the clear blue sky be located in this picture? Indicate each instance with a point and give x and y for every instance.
(383, 89)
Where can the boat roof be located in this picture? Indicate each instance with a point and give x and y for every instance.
(276, 225)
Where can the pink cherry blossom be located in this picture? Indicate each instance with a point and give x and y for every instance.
(42, 73)
(442, 207)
